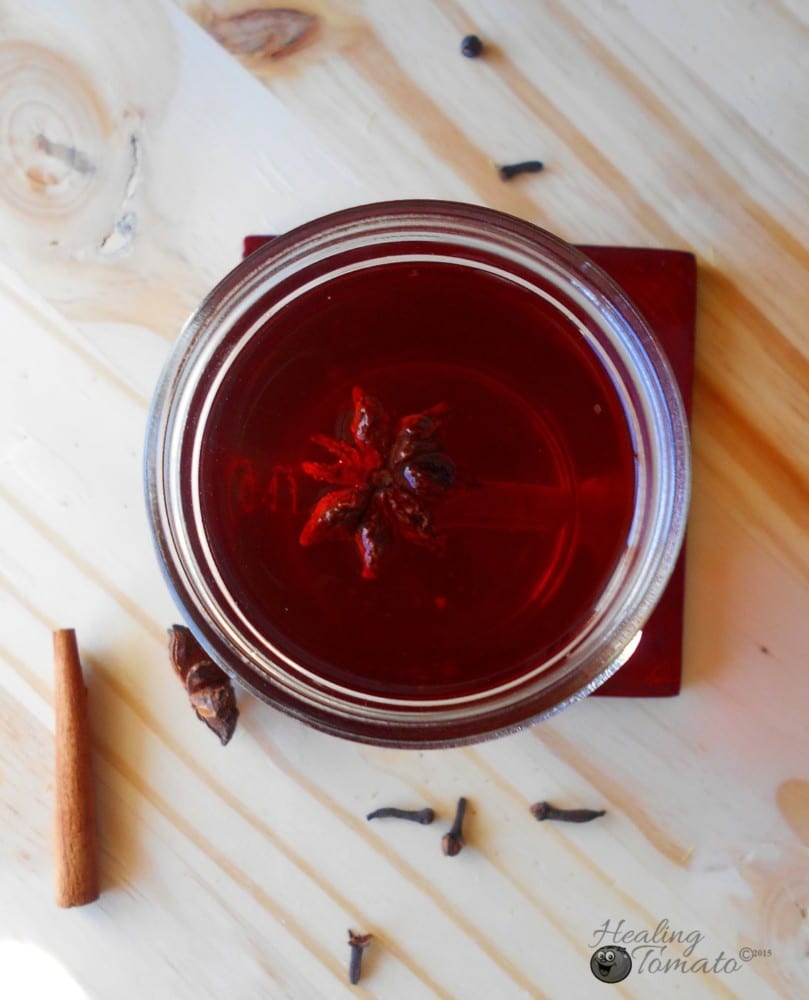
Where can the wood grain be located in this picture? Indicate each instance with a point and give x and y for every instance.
(138, 152)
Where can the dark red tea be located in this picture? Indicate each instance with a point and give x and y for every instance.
(416, 480)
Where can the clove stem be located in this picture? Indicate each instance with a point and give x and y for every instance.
(509, 170)
(357, 943)
(544, 810)
(452, 842)
(423, 816)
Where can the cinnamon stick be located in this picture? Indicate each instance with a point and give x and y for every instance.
(75, 843)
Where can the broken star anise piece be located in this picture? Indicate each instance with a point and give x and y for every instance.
(209, 688)
(385, 481)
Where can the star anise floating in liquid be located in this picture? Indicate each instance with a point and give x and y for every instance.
(386, 480)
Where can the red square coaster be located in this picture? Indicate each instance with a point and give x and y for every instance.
(663, 285)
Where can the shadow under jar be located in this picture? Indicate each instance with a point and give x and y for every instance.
(417, 473)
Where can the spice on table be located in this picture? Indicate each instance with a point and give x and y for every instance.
(357, 943)
(423, 816)
(471, 47)
(75, 836)
(452, 842)
(544, 810)
(385, 481)
(509, 170)
(209, 688)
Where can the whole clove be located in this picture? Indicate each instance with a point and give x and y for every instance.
(209, 688)
(357, 943)
(471, 47)
(423, 816)
(544, 810)
(509, 170)
(452, 842)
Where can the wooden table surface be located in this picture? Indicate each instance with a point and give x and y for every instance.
(140, 141)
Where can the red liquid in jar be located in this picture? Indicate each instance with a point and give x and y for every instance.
(532, 528)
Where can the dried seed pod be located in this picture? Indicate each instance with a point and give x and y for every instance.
(336, 514)
(370, 425)
(386, 482)
(372, 537)
(427, 475)
(209, 688)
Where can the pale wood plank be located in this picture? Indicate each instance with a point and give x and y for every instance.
(241, 869)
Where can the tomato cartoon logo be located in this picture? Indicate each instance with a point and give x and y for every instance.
(611, 965)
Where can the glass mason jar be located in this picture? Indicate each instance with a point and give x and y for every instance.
(242, 321)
